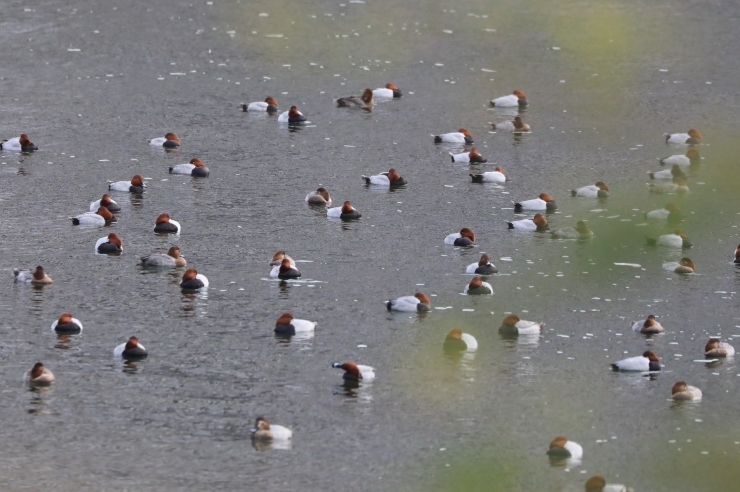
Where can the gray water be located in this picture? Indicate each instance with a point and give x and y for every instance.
(90, 82)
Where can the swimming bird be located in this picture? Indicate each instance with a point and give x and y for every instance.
(597, 190)
(691, 158)
(33, 277)
(513, 325)
(390, 178)
(136, 185)
(648, 361)
(685, 266)
(192, 280)
(355, 372)
(715, 348)
(171, 259)
(597, 483)
(647, 327)
(170, 141)
(390, 91)
(286, 324)
(478, 287)
(264, 431)
(670, 213)
(580, 231)
(482, 266)
(418, 303)
(106, 202)
(560, 447)
(365, 101)
(465, 238)
(465, 157)
(319, 197)
(286, 270)
(538, 223)
(693, 137)
(165, 225)
(517, 98)
(543, 202)
(269, 105)
(676, 240)
(131, 350)
(66, 324)
(672, 173)
(22, 143)
(678, 185)
(683, 392)
(496, 176)
(194, 168)
(109, 244)
(292, 117)
(99, 218)
(456, 341)
(461, 136)
(345, 212)
(39, 375)
(514, 126)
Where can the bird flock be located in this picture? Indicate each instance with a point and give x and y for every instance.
(671, 179)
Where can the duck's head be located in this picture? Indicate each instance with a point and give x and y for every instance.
(545, 196)
(37, 370)
(679, 387)
(465, 132)
(687, 263)
(189, 274)
(271, 100)
(484, 259)
(174, 252)
(367, 96)
(324, 193)
(347, 207)
(511, 320)
(422, 298)
(172, 136)
(284, 319)
(39, 274)
(137, 180)
(650, 355)
(712, 344)
(540, 221)
(114, 239)
(465, 232)
(163, 218)
(196, 162)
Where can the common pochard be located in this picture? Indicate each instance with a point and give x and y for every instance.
(109, 245)
(131, 350)
(418, 303)
(345, 212)
(648, 361)
(364, 101)
(264, 431)
(106, 202)
(269, 105)
(466, 157)
(171, 259)
(597, 190)
(648, 327)
(355, 372)
(286, 324)
(513, 126)
(482, 266)
(684, 266)
(513, 325)
(34, 277)
(21, 144)
(39, 375)
(580, 231)
(464, 238)
(516, 99)
(390, 91)
(683, 392)
(98, 219)
(319, 197)
(136, 185)
(676, 240)
(543, 202)
(456, 341)
(478, 287)
(192, 280)
(462, 136)
(169, 141)
(390, 178)
(496, 176)
(715, 348)
(165, 225)
(194, 168)
(538, 223)
(693, 137)
(66, 324)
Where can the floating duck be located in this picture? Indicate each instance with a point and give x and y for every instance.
(516, 99)
(286, 324)
(109, 244)
(170, 141)
(670, 213)
(165, 225)
(676, 240)
(691, 158)
(683, 392)
(39, 375)
(345, 212)
(194, 168)
(496, 176)
(292, 117)
(580, 231)
(265, 431)
(98, 219)
(678, 185)
(482, 267)
(514, 126)
(597, 190)
(319, 197)
(691, 138)
(192, 280)
(466, 157)
(543, 202)
(538, 223)
(647, 327)
(561, 448)
(390, 178)
(672, 173)
(131, 350)
(389, 92)
(286, 270)
(648, 361)
(462, 136)
(106, 202)
(418, 303)
(269, 105)
(685, 266)
(513, 325)
(34, 277)
(66, 324)
(278, 257)
(355, 372)
(365, 101)
(465, 238)
(457, 341)
(22, 144)
(597, 483)
(715, 348)
(136, 185)
(478, 287)
(171, 259)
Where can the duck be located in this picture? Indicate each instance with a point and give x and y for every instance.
(691, 158)
(22, 143)
(561, 447)
(693, 137)
(672, 173)
(596, 190)
(286, 270)
(171, 259)
(496, 176)
(264, 431)
(670, 213)
(513, 325)
(482, 266)
(319, 197)
(478, 287)
(715, 348)
(678, 185)
(418, 303)
(365, 101)
(279, 256)
(676, 240)
(457, 341)
(66, 324)
(461, 136)
(345, 212)
(465, 157)
(136, 185)
(109, 244)
(131, 350)
(286, 324)
(33, 277)
(683, 392)
(99, 218)
(269, 105)
(292, 117)
(647, 327)
(597, 483)
(194, 168)
(580, 231)
(169, 141)
(165, 225)
(514, 126)
(543, 202)
(465, 238)
(391, 178)
(355, 372)
(39, 375)
(648, 361)
(513, 100)
(685, 266)
(106, 202)
(737, 254)
(390, 91)
(538, 223)
(192, 280)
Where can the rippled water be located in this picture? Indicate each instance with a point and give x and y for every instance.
(90, 82)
